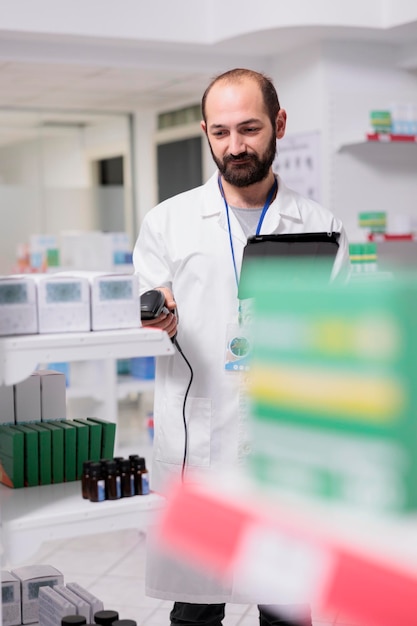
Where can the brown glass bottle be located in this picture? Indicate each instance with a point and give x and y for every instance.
(97, 483)
(127, 479)
(141, 477)
(85, 480)
(112, 480)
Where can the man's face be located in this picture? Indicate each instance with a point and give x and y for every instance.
(239, 131)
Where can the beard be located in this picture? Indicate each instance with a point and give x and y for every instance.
(252, 171)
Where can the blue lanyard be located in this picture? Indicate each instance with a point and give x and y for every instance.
(261, 219)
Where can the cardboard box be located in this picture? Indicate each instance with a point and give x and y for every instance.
(82, 607)
(27, 400)
(53, 395)
(10, 599)
(70, 449)
(18, 309)
(57, 456)
(108, 436)
(63, 303)
(95, 603)
(83, 439)
(11, 457)
(30, 454)
(44, 452)
(53, 607)
(32, 579)
(94, 447)
(6, 404)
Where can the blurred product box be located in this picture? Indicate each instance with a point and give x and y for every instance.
(333, 387)
(83, 443)
(6, 404)
(108, 436)
(32, 579)
(12, 447)
(70, 449)
(10, 599)
(81, 606)
(27, 399)
(63, 303)
(18, 306)
(53, 607)
(143, 367)
(53, 394)
(95, 603)
(94, 437)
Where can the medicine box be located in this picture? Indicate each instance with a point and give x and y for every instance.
(44, 453)
(10, 599)
(63, 303)
(11, 457)
(30, 454)
(108, 437)
(83, 438)
(6, 404)
(27, 400)
(70, 449)
(53, 607)
(94, 446)
(18, 307)
(53, 394)
(57, 451)
(95, 603)
(82, 607)
(32, 579)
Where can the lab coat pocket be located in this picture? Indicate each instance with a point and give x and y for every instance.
(170, 437)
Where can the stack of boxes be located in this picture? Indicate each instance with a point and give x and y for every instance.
(38, 445)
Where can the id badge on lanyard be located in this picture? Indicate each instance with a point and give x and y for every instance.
(238, 336)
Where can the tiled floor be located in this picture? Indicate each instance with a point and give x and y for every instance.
(111, 565)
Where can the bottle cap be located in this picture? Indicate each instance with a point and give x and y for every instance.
(105, 618)
(140, 463)
(125, 465)
(110, 467)
(86, 465)
(73, 620)
(95, 470)
(124, 622)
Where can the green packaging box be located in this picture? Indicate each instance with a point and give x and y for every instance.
(95, 430)
(11, 457)
(31, 454)
(70, 449)
(57, 457)
(333, 388)
(44, 453)
(108, 436)
(83, 441)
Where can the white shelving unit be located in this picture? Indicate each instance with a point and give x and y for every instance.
(32, 515)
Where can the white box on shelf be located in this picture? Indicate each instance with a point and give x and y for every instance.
(53, 395)
(53, 607)
(18, 310)
(6, 404)
(32, 579)
(27, 400)
(10, 599)
(63, 303)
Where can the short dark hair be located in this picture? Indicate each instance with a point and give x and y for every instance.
(265, 84)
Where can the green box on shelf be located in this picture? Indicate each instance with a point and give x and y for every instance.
(108, 436)
(70, 449)
(83, 443)
(31, 454)
(333, 387)
(11, 457)
(44, 452)
(57, 457)
(95, 432)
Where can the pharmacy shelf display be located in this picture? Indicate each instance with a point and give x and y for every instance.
(20, 355)
(33, 515)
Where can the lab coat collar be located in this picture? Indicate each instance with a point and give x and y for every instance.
(285, 204)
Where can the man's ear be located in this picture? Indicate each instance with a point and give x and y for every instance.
(281, 123)
(203, 126)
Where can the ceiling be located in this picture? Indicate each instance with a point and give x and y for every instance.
(66, 78)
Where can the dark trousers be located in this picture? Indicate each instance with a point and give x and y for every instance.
(185, 614)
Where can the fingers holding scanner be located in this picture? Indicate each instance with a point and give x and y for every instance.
(167, 319)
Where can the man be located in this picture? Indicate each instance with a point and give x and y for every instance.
(190, 247)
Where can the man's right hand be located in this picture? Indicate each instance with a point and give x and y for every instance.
(165, 321)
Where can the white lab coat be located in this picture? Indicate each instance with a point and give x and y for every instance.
(184, 244)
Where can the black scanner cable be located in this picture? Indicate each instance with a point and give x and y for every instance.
(184, 460)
